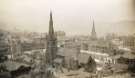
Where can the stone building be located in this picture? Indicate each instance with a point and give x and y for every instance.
(69, 58)
(72, 59)
(129, 42)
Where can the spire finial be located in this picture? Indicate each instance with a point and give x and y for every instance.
(51, 30)
(93, 33)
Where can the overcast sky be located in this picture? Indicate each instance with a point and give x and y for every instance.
(71, 16)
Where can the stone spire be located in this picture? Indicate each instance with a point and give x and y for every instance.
(51, 48)
(51, 30)
(93, 33)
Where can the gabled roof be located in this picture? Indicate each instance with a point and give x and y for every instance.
(83, 58)
(13, 65)
(66, 52)
(73, 54)
(58, 60)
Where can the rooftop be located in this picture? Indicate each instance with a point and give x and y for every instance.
(94, 53)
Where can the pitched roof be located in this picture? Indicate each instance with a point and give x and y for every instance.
(58, 60)
(83, 58)
(67, 52)
(13, 65)
(128, 55)
(73, 54)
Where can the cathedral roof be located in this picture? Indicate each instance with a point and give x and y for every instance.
(83, 58)
(66, 52)
(73, 54)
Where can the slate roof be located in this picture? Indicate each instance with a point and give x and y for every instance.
(73, 54)
(128, 55)
(58, 60)
(13, 65)
(67, 52)
(83, 58)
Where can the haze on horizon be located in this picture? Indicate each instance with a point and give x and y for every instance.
(71, 16)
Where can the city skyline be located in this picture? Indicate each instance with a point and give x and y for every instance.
(67, 39)
(110, 16)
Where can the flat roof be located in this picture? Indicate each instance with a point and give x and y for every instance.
(94, 53)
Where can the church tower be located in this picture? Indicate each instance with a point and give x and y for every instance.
(51, 48)
(93, 33)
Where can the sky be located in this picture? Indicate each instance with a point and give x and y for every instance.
(71, 16)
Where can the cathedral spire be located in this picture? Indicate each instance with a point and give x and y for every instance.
(51, 30)
(51, 48)
(93, 28)
(93, 33)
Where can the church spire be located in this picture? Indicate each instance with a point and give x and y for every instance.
(51, 48)
(93, 28)
(51, 30)
(93, 33)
